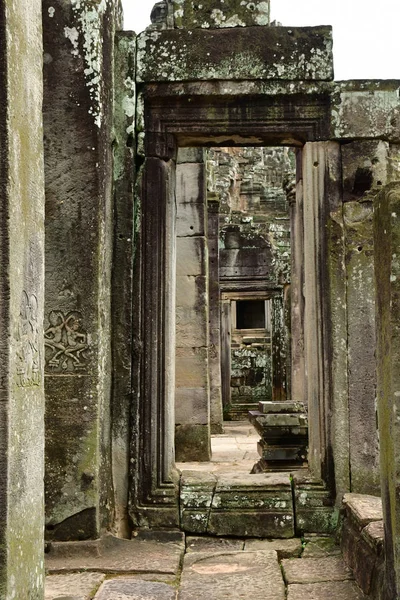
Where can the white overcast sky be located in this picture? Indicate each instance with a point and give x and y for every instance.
(366, 33)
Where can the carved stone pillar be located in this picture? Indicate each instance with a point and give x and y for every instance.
(78, 101)
(21, 301)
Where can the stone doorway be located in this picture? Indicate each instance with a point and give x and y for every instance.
(158, 291)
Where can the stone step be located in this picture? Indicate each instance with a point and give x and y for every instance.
(241, 505)
(281, 407)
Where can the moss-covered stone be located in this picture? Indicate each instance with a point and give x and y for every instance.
(190, 14)
(248, 53)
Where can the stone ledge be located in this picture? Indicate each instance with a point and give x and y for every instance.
(362, 541)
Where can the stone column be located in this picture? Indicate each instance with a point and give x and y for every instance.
(387, 277)
(216, 417)
(313, 171)
(364, 164)
(296, 289)
(192, 404)
(78, 102)
(21, 301)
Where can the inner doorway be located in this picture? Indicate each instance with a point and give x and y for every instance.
(233, 290)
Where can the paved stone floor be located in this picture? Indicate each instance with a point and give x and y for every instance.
(171, 567)
(233, 450)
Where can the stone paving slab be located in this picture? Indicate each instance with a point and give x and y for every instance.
(234, 575)
(210, 544)
(79, 586)
(144, 554)
(134, 589)
(337, 590)
(319, 547)
(291, 548)
(314, 570)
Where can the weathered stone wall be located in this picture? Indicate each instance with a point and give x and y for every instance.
(78, 100)
(21, 301)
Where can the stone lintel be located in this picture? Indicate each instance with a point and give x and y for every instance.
(250, 53)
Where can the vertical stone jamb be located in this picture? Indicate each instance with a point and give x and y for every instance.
(387, 277)
(21, 301)
(335, 317)
(154, 490)
(122, 277)
(216, 416)
(313, 186)
(298, 392)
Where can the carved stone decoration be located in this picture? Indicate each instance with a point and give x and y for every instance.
(28, 370)
(65, 342)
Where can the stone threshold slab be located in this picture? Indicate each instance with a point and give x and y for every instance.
(149, 552)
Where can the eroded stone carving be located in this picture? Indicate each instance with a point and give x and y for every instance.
(66, 342)
(28, 371)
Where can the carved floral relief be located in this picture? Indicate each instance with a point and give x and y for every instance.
(66, 342)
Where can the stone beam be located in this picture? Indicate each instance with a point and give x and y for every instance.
(247, 53)
(21, 301)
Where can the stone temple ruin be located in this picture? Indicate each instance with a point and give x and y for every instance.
(199, 225)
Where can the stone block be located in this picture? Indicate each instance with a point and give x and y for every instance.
(190, 219)
(212, 544)
(191, 368)
(190, 182)
(191, 327)
(291, 548)
(304, 54)
(215, 575)
(215, 15)
(319, 547)
(192, 443)
(191, 253)
(123, 587)
(191, 406)
(190, 155)
(79, 585)
(196, 493)
(315, 511)
(281, 407)
(252, 506)
(363, 509)
(191, 291)
(339, 590)
(314, 570)
(366, 111)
